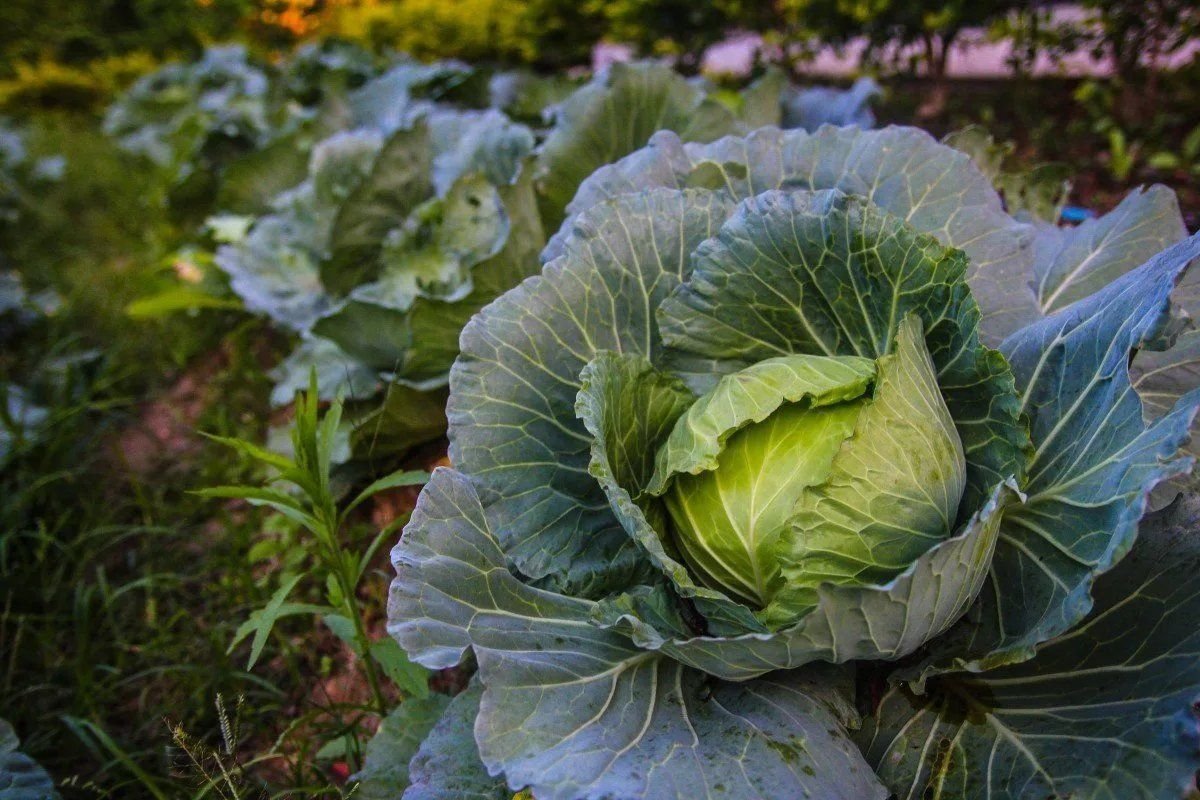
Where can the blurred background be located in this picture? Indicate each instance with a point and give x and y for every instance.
(1105, 86)
(146, 650)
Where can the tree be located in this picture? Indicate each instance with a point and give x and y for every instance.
(683, 29)
(1138, 36)
(892, 26)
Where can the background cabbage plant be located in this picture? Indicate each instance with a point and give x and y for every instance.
(804, 469)
(421, 210)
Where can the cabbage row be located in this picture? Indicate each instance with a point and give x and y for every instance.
(787, 462)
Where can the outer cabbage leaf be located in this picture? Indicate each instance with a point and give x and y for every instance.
(1036, 193)
(404, 418)
(614, 115)
(431, 255)
(816, 106)
(485, 142)
(21, 778)
(320, 71)
(1161, 377)
(929, 186)
(724, 638)
(1094, 464)
(761, 103)
(337, 373)
(384, 774)
(174, 114)
(400, 180)
(252, 180)
(575, 712)
(513, 389)
(1073, 263)
(528, 96)
(826, 273)
(275, 269)
(1108, 711)
(389, 101)
(447, 764)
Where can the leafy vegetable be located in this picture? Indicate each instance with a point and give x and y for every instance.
(21, 778)
(748, 425)
(819, 105)
(173, 115)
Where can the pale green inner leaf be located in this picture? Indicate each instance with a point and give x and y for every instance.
(727, 520)
(892, 493)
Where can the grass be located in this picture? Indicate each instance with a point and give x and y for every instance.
(121, 588)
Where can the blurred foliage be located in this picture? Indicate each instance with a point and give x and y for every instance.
(678, 28)
(49, 84)
(547, 33)
(889, 26)
(77, 33)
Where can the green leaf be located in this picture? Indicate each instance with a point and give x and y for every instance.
(986, 153)
(333, 749)
(284, 503)
(397, 184)
(430, 255)
(447, 764)
(251, 450)
(1030, 193)
(1094, 464)
(512, 406)
(413, 679)
(384, 774)
(180, 298)
(813, 107)
(484, 142)
(1105, 711)
(343, 627)
(406, 418)
(885, 622)
(1161, 377)
(417, 338)
(1073, 263)
(761, 103)
(549, 676)
(615, 115)
(394, 481)
(262, 621)
(274, 269)
(21, 778)
(250, 181)
(1037, 194)
(892, 492)
(337, 373)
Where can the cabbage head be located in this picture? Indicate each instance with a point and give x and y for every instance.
(763, 489)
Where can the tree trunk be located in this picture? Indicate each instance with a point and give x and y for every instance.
(937, 53)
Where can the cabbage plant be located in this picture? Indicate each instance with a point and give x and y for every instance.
(771, 486)
(411, 221)
(184, 112)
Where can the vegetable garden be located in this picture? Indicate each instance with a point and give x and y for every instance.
(381, 426)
